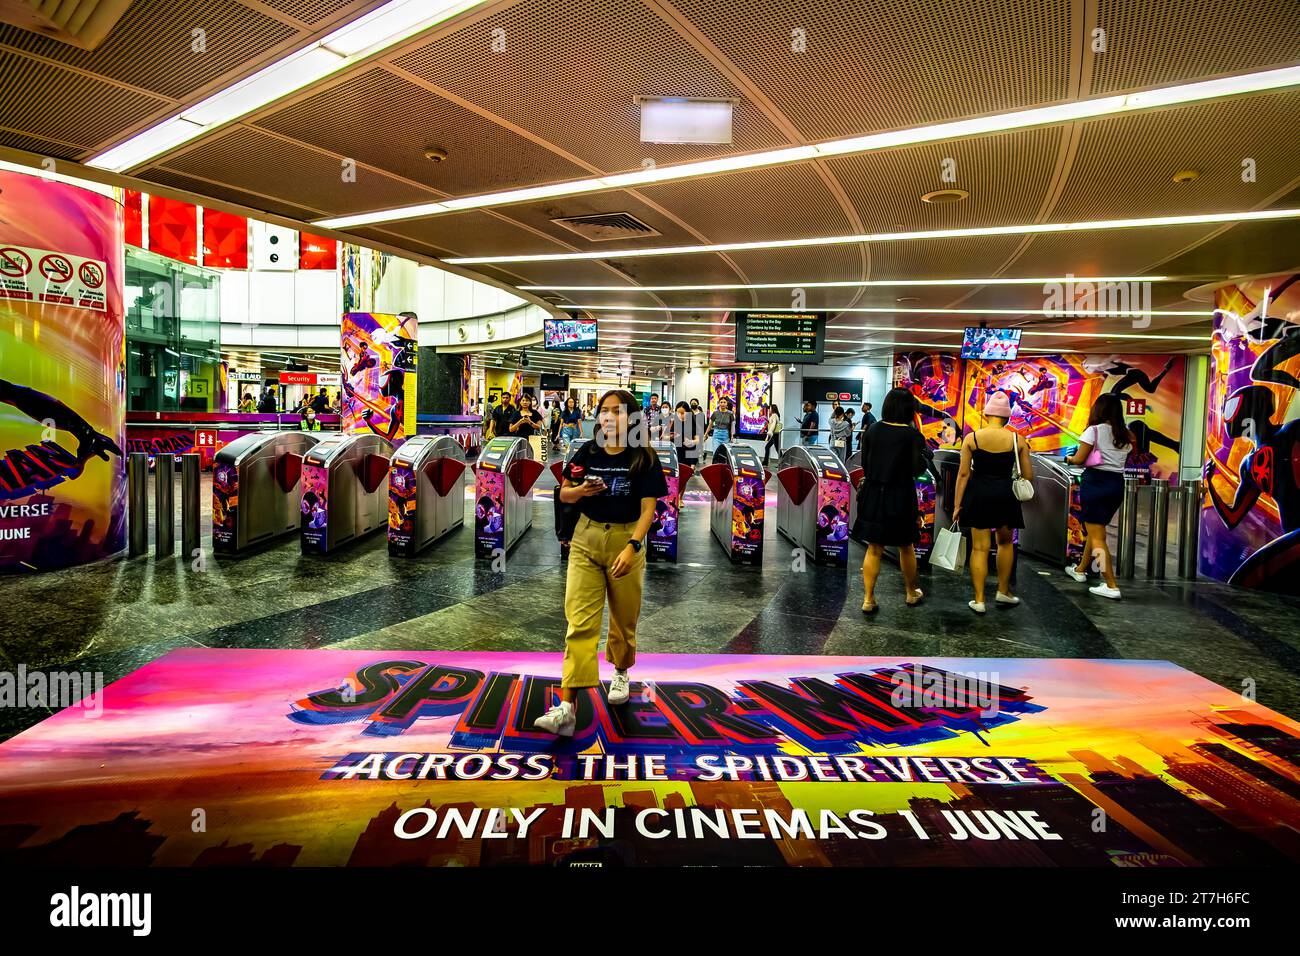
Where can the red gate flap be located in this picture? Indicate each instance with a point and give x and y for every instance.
(373, 471)
(445, 474)
(719, 479)
(287, 469)
(524, 472)
(557, 469)
(684, 473)
(797, 482)
(767, 475)
(855, 477)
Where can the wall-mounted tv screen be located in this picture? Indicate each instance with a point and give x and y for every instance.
(569, 335)
(555, 383)
(990, 344)
(797, 338)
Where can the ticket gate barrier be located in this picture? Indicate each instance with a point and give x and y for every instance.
(425, 500)
(255, 489)
(814, 501)
(1054, 528)
(504, 476)
(661, 543)
(735, 478)
(927, 499)
(343, 490)
(557, 469)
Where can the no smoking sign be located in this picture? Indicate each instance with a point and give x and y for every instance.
(53, 278)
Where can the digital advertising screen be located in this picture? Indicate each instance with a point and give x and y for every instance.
(797, 338)
(990, 344)
(569, 335)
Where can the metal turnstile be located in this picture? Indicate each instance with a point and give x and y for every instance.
(425, 500)
(504, 476)
(661, 543)
(343, 479)
(814, 501)
(1053, 527)
(255, 494)
(927, 497)
(557, 469)
(736, 478)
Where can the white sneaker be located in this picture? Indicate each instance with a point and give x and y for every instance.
(1104, 590)
(619, 688)
(559, 720)
(1081, 578)
(976, 606)
(1007, 599)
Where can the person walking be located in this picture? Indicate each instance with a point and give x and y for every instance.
(615, 482)
(986, 504)
(502, 416)
(686, 437)
(701, 423)
(809, 424)
(893, 454)
(868, 419)
(570, 423)
(841, 434)
(772, 431)
(720, 423)
(1103, 449)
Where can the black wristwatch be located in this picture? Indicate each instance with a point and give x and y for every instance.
(636, 545)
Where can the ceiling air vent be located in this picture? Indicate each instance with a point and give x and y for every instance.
(607, 226)
(82, 23)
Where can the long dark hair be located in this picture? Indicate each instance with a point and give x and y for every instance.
(1108, 409)
(899, 407)
(643, 455)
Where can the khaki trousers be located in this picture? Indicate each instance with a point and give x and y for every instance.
(589, 584)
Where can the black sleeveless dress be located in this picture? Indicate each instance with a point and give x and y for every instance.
(988, 503)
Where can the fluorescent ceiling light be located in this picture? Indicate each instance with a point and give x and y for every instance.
(979, 231)
(378, 30)
(677, 119)
(876, 283)
(979, 126)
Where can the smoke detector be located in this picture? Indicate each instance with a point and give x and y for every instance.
(435, 154)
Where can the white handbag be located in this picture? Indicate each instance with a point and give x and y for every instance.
(948, 552)
(1021, 487)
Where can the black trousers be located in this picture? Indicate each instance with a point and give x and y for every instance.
(773, 441)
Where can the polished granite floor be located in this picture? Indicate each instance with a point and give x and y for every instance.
(114, 616)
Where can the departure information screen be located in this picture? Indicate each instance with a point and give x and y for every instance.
(794, 337)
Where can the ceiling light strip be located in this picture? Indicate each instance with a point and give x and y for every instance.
(378, 30)
(873, 283)
(890, 310)
(968, 233)
(979, 126)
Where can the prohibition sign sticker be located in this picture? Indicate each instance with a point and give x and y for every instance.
(91, 275)
(56, 268)
(14, 263)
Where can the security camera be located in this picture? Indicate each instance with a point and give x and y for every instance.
(793, 369)
(523, 360)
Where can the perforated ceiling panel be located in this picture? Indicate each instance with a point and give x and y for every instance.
(826, 263)
(475, 234)
(61, 105)
(1125, 165)
(1116, 252)
(310, 11)
(785, 202)
(539, 216)
(385, 121)
(569, 72)
(35, 144)
(239, 197)
(1150, 44)
(942, 258)
(1008, 176)
(152, 47)
(293, 173)
(882, 64)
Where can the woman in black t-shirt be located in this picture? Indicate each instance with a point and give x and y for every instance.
(893, 454)
(614, 482)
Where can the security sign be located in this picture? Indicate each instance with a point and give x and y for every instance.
(45, 275)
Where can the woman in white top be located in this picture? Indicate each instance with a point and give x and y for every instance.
(1103, 448)
(773, 432)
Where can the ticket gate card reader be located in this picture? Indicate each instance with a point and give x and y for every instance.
(504, 476)
(255, 494)
(343, 490)
(814, 501)
(735, 477)
(425, 497)
(661, 543)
